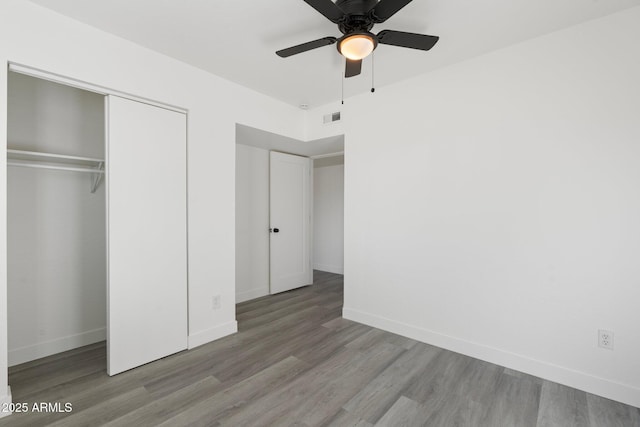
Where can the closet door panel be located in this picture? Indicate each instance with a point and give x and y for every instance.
(147, 233)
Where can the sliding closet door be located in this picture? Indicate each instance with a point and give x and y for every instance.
(147, 233)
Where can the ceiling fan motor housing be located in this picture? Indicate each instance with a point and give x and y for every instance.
(357, 15)
(356, 6)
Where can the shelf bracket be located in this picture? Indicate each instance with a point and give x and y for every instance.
(97, 177)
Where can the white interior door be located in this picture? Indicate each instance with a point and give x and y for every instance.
(290, 210)
(146, 233)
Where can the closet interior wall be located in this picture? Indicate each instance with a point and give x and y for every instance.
(56, 226)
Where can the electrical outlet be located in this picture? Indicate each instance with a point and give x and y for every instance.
(605, 339)
(216, 302)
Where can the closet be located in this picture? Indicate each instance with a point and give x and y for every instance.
(96, 212)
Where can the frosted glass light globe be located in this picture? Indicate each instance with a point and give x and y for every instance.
(356, 47)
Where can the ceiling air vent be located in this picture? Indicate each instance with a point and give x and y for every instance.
(331, 117)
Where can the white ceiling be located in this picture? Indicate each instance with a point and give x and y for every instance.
(236, 39)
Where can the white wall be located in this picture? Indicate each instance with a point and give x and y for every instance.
(494, 211)
(252, 222)
(56, 227)
(39, 38)
(328, 218)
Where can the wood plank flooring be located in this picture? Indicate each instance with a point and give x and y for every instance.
(295, 361)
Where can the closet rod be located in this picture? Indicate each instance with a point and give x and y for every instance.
(37, 154)
(53, 167)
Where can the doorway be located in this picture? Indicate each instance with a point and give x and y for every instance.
(252, 203)
(328, 213)
(56, 236)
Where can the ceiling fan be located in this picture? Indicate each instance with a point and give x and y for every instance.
(355, 19)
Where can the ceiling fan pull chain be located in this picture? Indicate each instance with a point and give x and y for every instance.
(342, 81)
(373, 88)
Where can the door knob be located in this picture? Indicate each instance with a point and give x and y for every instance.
(276, 230)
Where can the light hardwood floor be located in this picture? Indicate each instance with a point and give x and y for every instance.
(295, 361)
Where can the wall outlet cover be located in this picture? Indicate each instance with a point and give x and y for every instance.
(605, 339)
(216, 302)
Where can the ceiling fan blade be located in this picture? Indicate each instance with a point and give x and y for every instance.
(410, 40)
(294, 50)
(385, 9)
(328, 8)
(353, 68)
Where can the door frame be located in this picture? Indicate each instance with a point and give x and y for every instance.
(309, 224)
(314, 158)
(257, 144)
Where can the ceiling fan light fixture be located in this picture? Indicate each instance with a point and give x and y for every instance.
(357, 46)
(355, 20)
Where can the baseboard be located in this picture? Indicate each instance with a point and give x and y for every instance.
(199, 338)
(5, 402)
(580, 380)
(251, 294)
(336, 269)
(47, 348)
